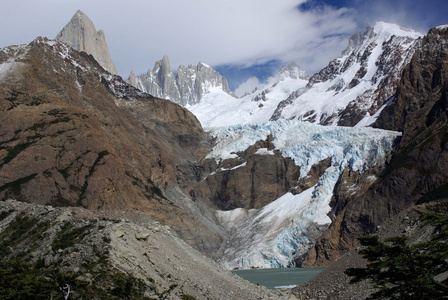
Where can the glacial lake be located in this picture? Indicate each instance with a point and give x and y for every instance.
(278, 278)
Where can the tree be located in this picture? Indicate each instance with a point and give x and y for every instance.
(399, 270)
(19, 281)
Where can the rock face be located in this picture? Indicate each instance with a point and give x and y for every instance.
(187, 88)
(353, 87)
(416, 172)
(332, 283)
(81, 35)
(75, 135)
(254, 179)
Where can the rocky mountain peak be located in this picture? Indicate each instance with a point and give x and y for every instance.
(132, 79)
(357, 39)
(81, 35)
(162, 66)
(187, 88)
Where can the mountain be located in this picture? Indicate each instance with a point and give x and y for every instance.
(416, 172)
(219, 109)
(247, 191)
(81, 35)
(75, 135)
(187, 88)
(153, 155)
(352, 88)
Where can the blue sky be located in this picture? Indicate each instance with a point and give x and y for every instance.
(415, 14)
(241, 38)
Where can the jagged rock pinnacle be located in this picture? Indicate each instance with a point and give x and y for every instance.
(80, 34)
(187, 87)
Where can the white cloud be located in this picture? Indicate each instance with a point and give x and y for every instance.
(248, 86)
(216, 32)
(231, 32)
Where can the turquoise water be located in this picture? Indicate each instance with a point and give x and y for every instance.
(278, 278)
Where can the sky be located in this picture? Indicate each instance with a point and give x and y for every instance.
(245, 40)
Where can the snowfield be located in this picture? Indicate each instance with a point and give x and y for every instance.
(218, 108)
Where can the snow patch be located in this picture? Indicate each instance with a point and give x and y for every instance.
(285, 286)
(234, 168)
(7, 68)
(265, 151)
(368, 120)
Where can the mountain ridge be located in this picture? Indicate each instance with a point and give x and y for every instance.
(355, 85)
(350, 91)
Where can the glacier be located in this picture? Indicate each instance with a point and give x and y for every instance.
(351, 91)
(269, 237)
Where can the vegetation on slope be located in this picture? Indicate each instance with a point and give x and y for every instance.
(399, 270)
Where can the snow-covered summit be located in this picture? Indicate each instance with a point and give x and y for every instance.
(389, 29)
(355, 85)
(292, 71)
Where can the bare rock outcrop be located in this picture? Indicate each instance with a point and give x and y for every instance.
(81, 35)
(257, 177)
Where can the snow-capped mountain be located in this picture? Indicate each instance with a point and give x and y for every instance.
(352, 88)
(219, 109)
(350, 91)
(187, 88)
